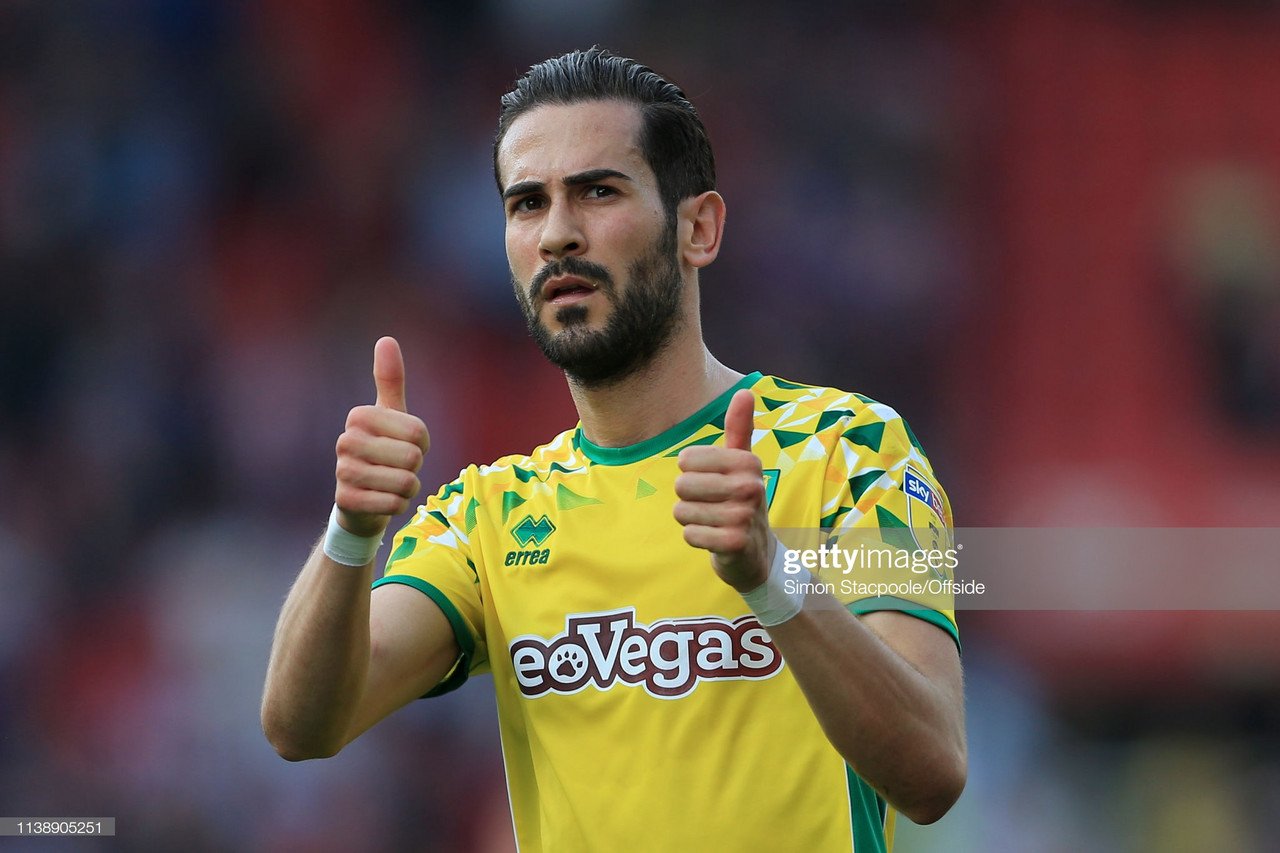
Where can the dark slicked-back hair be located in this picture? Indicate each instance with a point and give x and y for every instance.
(672, 138)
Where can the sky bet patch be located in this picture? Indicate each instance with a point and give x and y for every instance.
(924, 512)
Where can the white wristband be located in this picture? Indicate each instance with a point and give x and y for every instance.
(771, 602)
(347, 548)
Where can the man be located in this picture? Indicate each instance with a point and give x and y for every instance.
(662, 684)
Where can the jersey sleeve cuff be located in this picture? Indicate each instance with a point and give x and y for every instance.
(911, 608)
(466, 642)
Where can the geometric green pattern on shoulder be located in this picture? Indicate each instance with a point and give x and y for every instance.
(894, 531)
(831, 416)
(834, 519)
(859, 484)
(643, 489)
(787, 438)
(868, 435)
(888, 519)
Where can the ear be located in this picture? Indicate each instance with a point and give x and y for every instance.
(701, 221)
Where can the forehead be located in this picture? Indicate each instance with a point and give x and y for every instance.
(554, 140)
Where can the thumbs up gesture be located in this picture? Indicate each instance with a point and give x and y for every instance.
(380, 452)
(722, 507)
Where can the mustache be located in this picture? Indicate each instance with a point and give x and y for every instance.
(570, 266)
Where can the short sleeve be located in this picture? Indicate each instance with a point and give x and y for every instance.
(886, 513)
(433, 554)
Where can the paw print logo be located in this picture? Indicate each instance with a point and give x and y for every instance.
(568, 664)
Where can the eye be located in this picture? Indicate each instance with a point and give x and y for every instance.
(526, 203)
(600, 191)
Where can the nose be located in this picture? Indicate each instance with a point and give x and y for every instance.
(561, 234)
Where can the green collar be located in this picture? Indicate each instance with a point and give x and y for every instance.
(666, 438)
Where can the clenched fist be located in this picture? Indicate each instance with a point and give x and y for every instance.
(380, 452)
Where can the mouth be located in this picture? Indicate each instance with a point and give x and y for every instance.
(563, 290)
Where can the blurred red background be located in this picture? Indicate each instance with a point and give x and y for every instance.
(1046, 232)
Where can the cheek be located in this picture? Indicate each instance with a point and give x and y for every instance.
(614, 244)
(521, 257)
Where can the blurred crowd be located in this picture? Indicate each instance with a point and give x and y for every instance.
(209, 212)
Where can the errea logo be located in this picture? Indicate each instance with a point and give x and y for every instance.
(529, 532)
(668, 658)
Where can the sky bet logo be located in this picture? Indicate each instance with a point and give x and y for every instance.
(529, 532)
(918, 487)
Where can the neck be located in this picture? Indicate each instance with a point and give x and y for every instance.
(681, 379)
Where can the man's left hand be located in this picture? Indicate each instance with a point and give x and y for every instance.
(722, 504)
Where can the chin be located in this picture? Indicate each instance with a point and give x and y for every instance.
(575, 318)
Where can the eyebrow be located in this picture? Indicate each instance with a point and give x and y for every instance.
(590, 176)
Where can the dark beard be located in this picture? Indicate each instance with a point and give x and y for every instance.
(643, 321)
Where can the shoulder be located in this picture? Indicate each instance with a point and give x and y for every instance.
(832, 413)
(875, 467)
(506, 480)
(864, 448)
(560, 454)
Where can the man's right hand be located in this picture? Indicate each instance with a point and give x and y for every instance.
(380, 452)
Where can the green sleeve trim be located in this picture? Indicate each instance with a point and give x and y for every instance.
(466, 642)
(868, 810)
(667, 438)
(911, 608)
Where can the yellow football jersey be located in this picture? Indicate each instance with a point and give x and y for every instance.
(642, 706)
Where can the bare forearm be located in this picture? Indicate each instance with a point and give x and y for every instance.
(900, 731)
(319, 659)
(887, 691)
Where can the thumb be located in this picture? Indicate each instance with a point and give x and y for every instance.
(739, 421)
(388, 374)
